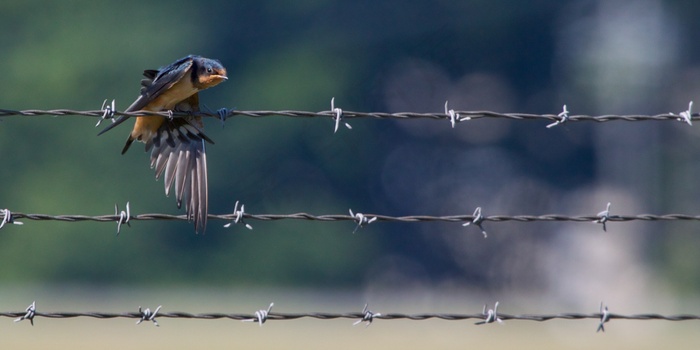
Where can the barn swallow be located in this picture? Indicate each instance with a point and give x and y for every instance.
(177, 144)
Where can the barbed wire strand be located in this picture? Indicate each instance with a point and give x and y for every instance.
(366, 316)
(277, 316)
(342, 217)
(451, 115)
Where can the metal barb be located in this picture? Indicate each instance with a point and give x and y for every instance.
(31, 312)
(223, 113)
(337, 116)
(564, 115)
(491, 315)
(147, 315)
(686, 116)
(603, 217)
(8, 219)
(238, 216)
(367, 317)
(604, 317)
(260, 315)
(478, 221)
(108, 112)
(451, 115)
(124, 217)
(362, 220)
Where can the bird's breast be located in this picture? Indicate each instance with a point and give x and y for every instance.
(145, 127)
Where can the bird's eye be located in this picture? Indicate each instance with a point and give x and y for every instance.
(209, 70)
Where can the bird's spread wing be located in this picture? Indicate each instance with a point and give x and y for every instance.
(178, 155)
(164, 80)
(156, 83)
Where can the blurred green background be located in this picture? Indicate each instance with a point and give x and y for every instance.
(597, 57)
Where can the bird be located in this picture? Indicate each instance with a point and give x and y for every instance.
(177, 145)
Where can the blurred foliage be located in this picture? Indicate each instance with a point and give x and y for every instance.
(369, 55)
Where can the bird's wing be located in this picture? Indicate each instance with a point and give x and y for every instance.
(178, 154)
(156, 83)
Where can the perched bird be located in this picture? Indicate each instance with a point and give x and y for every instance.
(177, 144)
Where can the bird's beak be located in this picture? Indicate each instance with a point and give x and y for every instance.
(213, 79)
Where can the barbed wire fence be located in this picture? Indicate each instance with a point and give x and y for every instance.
(108, 112)
(239, 216)
(366, 316)
(360, 219)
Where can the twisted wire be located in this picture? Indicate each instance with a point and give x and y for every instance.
(463, 115)
(342, 217)
(354, 315)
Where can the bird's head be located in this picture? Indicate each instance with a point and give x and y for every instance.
(209, 73)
